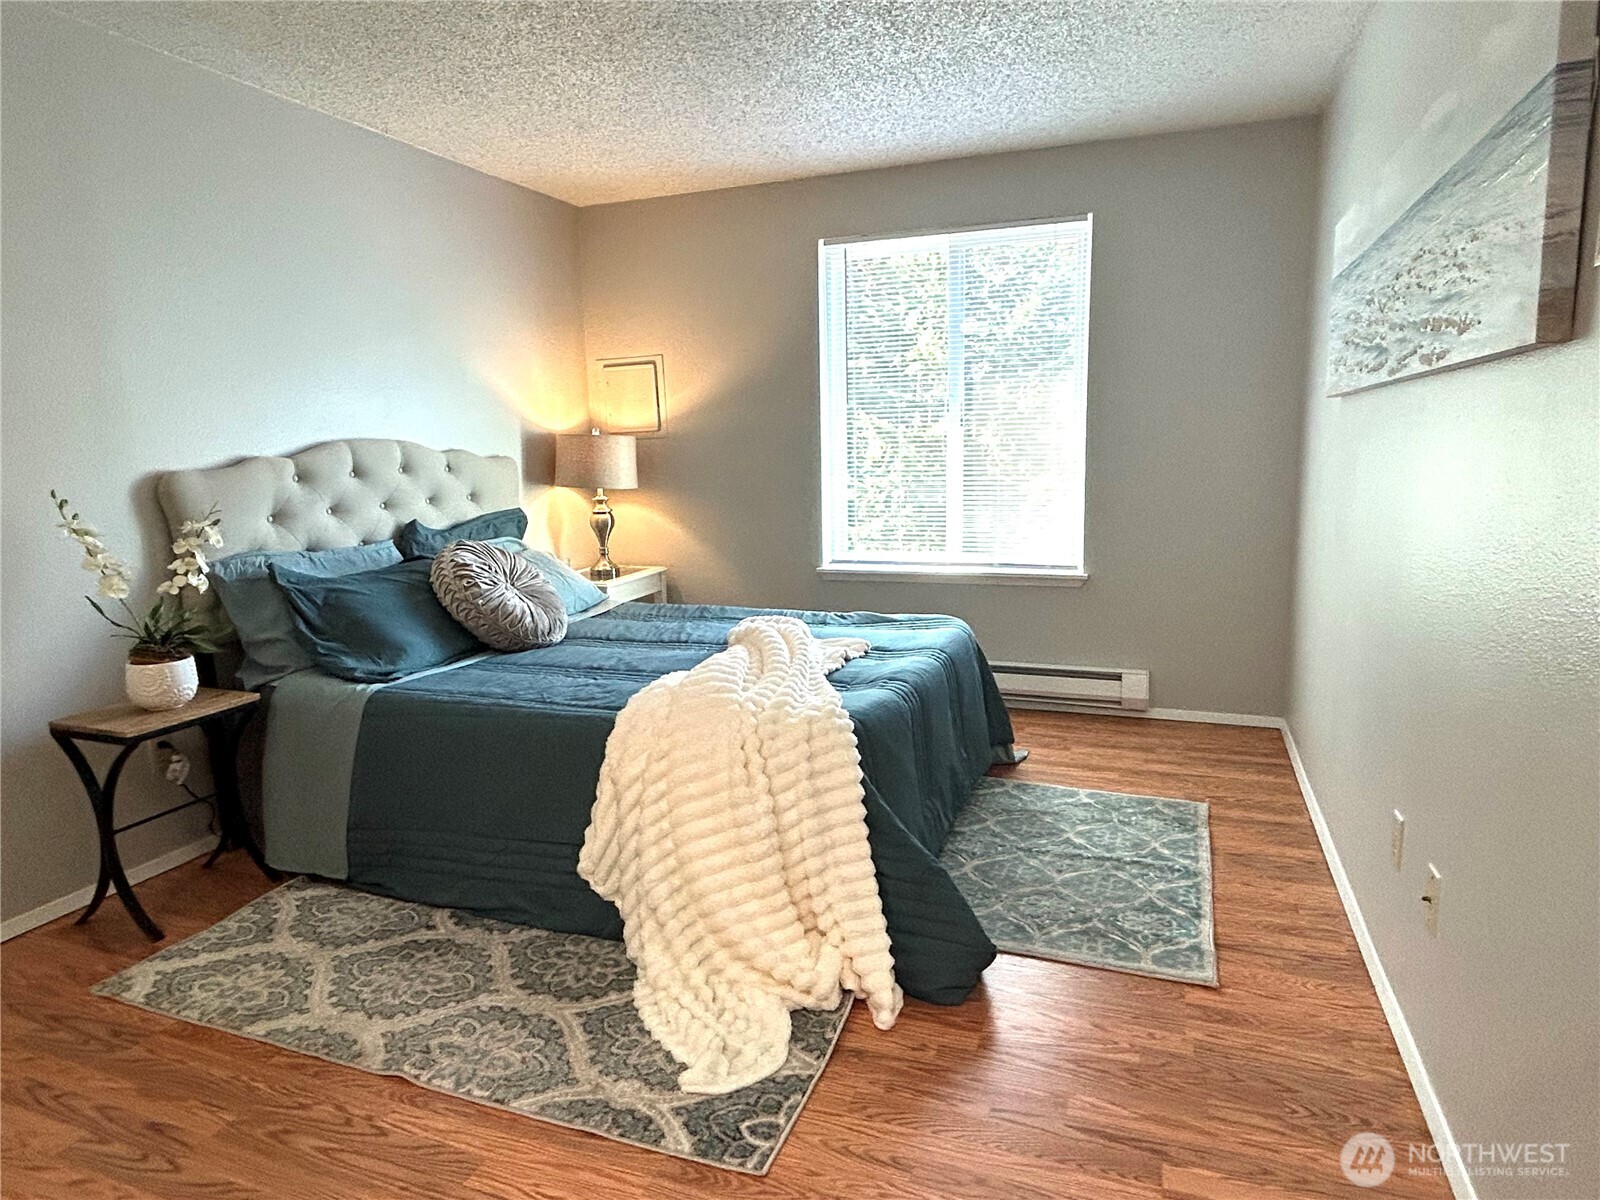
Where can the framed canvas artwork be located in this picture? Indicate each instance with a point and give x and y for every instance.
(1482, 260)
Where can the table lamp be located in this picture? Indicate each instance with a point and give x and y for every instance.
(599, 461)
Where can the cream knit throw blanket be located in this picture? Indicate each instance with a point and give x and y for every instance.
(730, 830)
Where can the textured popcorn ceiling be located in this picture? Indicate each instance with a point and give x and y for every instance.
(595, 102)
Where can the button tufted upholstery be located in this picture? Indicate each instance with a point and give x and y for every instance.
(338, 494)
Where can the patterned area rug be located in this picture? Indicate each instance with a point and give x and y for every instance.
(1097, 878)
(539, 1023)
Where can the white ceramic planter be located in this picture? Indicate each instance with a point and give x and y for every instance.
(163, 685)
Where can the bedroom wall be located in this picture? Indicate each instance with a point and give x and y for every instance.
(1447, 656)
(197, 271)
(1196, 373)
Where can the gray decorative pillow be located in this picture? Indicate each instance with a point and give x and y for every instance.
(498, 596)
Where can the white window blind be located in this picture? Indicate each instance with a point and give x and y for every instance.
(954, 371)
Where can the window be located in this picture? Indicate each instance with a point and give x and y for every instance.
(954, 368)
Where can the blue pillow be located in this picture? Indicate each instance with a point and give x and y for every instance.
(576, 592)
(417, 540)
(260, 613)
(374, 626)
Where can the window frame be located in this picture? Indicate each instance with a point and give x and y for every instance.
(831, 388)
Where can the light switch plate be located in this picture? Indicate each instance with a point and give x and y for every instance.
(1397, 840)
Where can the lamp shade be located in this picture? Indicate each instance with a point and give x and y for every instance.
(596, 460)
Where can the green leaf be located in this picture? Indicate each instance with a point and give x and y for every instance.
(108, 617)
(164, 620)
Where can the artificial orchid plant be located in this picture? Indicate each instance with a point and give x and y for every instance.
(168, 631)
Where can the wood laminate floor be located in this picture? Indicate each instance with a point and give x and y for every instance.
(1052, 1080)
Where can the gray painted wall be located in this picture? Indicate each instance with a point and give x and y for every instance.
(1196, 372)
(195, 271)
(1447, 661)
(210, 272)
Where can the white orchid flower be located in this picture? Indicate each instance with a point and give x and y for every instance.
(187, 569)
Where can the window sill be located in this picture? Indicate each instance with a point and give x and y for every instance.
(853, 572)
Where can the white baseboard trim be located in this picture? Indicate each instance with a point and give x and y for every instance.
(1455, 1168)
(46, 913)
(1255, 720)
(1151, 714)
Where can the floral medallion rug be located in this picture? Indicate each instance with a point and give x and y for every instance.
(539, 1023)
(1099, 878)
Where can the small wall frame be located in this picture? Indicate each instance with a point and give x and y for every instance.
(629, 395)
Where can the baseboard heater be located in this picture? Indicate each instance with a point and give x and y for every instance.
(1040, 685)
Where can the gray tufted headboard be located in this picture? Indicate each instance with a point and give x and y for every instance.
(338, 494)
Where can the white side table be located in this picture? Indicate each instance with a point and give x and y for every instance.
(635, 583)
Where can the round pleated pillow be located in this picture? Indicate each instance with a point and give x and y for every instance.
(498, 596)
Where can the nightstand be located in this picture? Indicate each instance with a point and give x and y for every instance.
(635, 583)
(220, 714)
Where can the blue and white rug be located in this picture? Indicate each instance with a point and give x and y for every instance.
(536, 1022)
(1099, 878)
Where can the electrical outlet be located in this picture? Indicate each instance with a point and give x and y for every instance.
(1431, 898)
(171, 765)
(1397, 840)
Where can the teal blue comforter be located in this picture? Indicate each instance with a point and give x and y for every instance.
(472, 787)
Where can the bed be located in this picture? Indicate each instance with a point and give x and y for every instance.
(470, 785)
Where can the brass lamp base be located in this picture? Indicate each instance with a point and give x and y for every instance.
(602, 520)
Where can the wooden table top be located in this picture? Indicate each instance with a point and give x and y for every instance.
(129, 722)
